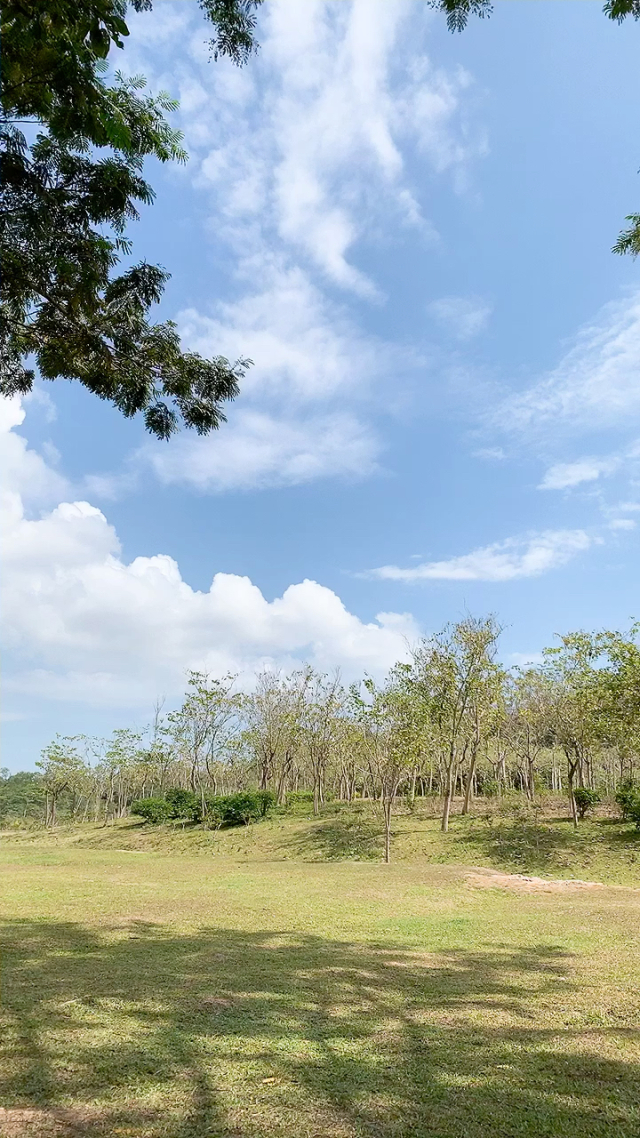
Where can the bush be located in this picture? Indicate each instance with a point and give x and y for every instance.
(219, 809)
(267, 801)
(490, 788)
(628, 799)
(214, 810)
(183, 804)
(299, 801)
(151, 809)
(242, 808)
(585, 799)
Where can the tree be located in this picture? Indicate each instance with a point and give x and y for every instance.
(575, 687)
(453, 673)
(61, 769)
(458, 12)
(67, 197)
(319, 712)
(204, 727)
(273, 713)
(21, 795)
(528, 723)
(392, 728)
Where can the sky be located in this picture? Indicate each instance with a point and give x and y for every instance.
(409, 232)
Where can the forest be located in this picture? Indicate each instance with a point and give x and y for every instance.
(450, 723)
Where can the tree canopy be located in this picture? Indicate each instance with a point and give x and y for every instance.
(73, 144)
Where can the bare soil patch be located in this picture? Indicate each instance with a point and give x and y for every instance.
(27, 1122)
(487, 879)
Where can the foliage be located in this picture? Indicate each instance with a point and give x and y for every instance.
(585, 799)
(449, 725)
(628, 800)
(182, 803)
(245, 807)
(217, 810)
(154, 810)
(21, 795)
(71, 185)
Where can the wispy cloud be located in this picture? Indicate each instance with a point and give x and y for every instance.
(257, 450)
(595, 385)
(462, 317)
(565, 475)
(306, 155)
(517, 557)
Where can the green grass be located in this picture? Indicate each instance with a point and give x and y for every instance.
(151, 994)
(506, 835)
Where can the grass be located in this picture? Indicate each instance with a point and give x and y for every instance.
(151, 994)
(506, 835)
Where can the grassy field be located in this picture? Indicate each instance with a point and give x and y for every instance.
(506, 835)
(153, 993)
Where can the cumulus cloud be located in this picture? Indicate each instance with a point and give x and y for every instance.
(508, 560)
(86, 625)
(462, 317)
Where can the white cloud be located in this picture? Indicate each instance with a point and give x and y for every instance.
(622, 524)
(23, 472)
(305, 154)
(567, 474)
(491, 454)
(463, 317)
(508, 560)
(595, 385)
(86, 625)
(304, 348)
(257, 450)
(309, 145)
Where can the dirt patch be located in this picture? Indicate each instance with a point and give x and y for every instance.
(217, 1003)
(27, 1122)
(522, 884)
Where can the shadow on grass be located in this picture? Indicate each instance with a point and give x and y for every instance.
(268, 1033)
(353, 835)
(531, 846)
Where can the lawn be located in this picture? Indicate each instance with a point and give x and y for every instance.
(175, 995)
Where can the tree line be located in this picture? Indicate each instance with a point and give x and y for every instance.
(450, 722)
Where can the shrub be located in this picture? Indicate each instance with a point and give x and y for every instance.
(243, 807)
(490, 788)
(219, 809)
(299, 801)
(151, 809)
(628, 800)
(585, 799)
(183, 804)
(267, 801)
(214, 810)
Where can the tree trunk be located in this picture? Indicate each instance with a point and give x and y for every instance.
(386, 806)
(571, 770)
(452, 775)
(467, 793)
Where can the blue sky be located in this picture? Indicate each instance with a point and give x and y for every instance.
(409, 232)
